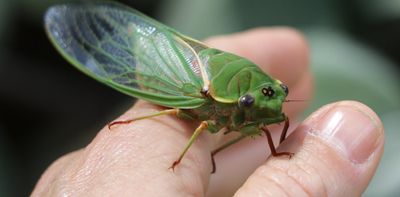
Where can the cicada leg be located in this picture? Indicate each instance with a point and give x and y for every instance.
(203, 125)
(284, 131)
(164, 112)
(271, 144)
(226, 145)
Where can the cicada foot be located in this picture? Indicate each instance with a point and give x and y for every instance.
(290, 155)
(118, 123)
(174, 165)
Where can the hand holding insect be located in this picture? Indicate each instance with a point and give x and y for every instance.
(133, 159)
(143, 58)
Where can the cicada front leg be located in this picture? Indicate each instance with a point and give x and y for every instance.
(271, 144)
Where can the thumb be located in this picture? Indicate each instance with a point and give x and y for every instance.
(338, 150)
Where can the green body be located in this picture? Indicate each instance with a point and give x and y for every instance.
(140, 57)
(231, 77)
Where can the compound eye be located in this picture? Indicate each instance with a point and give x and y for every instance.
(268, 91)
(285, 89)
(246, 100)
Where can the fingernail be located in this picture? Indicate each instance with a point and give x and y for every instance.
(351, 130)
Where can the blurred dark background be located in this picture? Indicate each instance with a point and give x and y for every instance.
(48, 108)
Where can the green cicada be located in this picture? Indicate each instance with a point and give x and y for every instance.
(143, 58)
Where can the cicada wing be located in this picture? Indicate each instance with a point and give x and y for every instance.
(129, 52)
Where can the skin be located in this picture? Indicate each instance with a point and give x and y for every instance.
(337, 148)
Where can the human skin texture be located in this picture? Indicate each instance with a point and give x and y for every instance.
(336, 149)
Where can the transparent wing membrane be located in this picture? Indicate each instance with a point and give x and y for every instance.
(129, 51)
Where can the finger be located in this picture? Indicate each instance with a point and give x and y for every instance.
(48, 181)
(338, 150)
(134, 159)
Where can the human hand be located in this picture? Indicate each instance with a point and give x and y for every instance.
(337, 149)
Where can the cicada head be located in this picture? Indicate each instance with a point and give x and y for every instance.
(266, 100)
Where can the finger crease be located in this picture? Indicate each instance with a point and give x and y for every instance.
(316, 172)
(294, 179)
(274, 180)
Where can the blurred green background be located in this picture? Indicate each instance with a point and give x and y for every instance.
(48, 108)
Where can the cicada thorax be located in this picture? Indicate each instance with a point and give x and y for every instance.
(231, 76)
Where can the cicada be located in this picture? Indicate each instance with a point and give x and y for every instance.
(143, 58)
